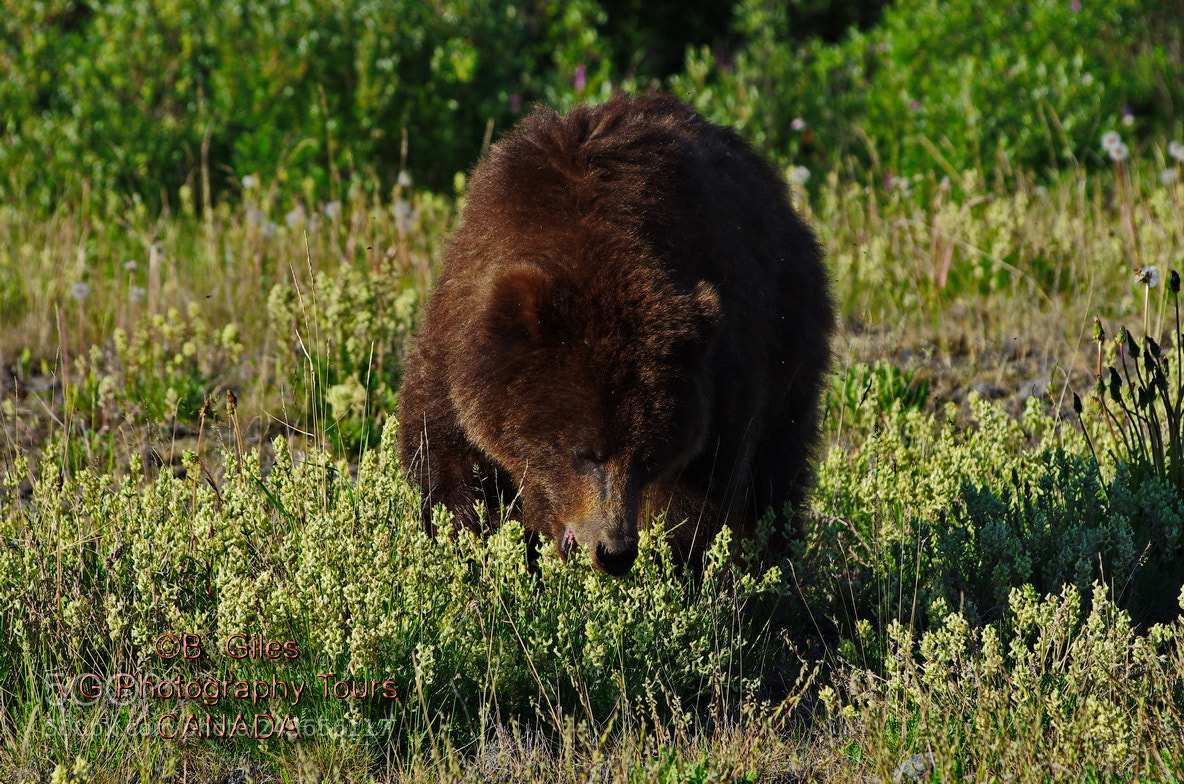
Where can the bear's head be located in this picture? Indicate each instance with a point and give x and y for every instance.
(587, 390)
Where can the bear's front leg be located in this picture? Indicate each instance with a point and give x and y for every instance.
(536, 513)
(435, 452)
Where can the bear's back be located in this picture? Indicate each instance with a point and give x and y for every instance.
(652, 182)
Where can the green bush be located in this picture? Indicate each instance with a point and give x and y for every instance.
(947, 86)
(925, 514)
(143, 96)
(139, 95)
(1063, 525)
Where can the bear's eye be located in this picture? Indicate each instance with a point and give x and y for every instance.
(650, 466)
(588, 457)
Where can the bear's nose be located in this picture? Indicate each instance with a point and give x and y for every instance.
(615, 561)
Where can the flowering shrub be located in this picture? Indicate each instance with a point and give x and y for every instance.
(459, 625)
(923, 515)
(162, 371)
(1046, 695)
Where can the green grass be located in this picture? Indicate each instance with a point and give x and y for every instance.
(972, 583)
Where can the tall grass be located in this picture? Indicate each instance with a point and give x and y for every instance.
(959, 264)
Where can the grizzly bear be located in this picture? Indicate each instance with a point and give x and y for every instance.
(631, 319)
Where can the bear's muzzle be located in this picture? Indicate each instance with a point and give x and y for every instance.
(608, 525)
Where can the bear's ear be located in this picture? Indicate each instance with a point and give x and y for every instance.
(516, 305)
(699, 324)
(706, 311)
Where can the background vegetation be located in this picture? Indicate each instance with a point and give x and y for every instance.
(144, 97)
(218, 226)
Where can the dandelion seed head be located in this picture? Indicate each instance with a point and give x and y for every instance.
(1148, 276)
(137, 294)
(80, 291)
(249, 182)
(1176, 150)
(405, 216)
(294, 218)
(1119, 152)
(799, 175)
(129, 265)
(798, 124)
(1110, 140)
(332, 210)
(404, 179)
(1169, 176)
(901, 184)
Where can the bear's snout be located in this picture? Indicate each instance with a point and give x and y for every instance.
(614, 548)
(612, 554)
(615, 558)
(605, 522)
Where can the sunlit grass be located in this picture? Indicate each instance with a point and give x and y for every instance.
(197, 437)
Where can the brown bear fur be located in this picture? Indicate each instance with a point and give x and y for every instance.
(631, 319)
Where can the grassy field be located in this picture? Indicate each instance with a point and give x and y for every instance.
(198, 430)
